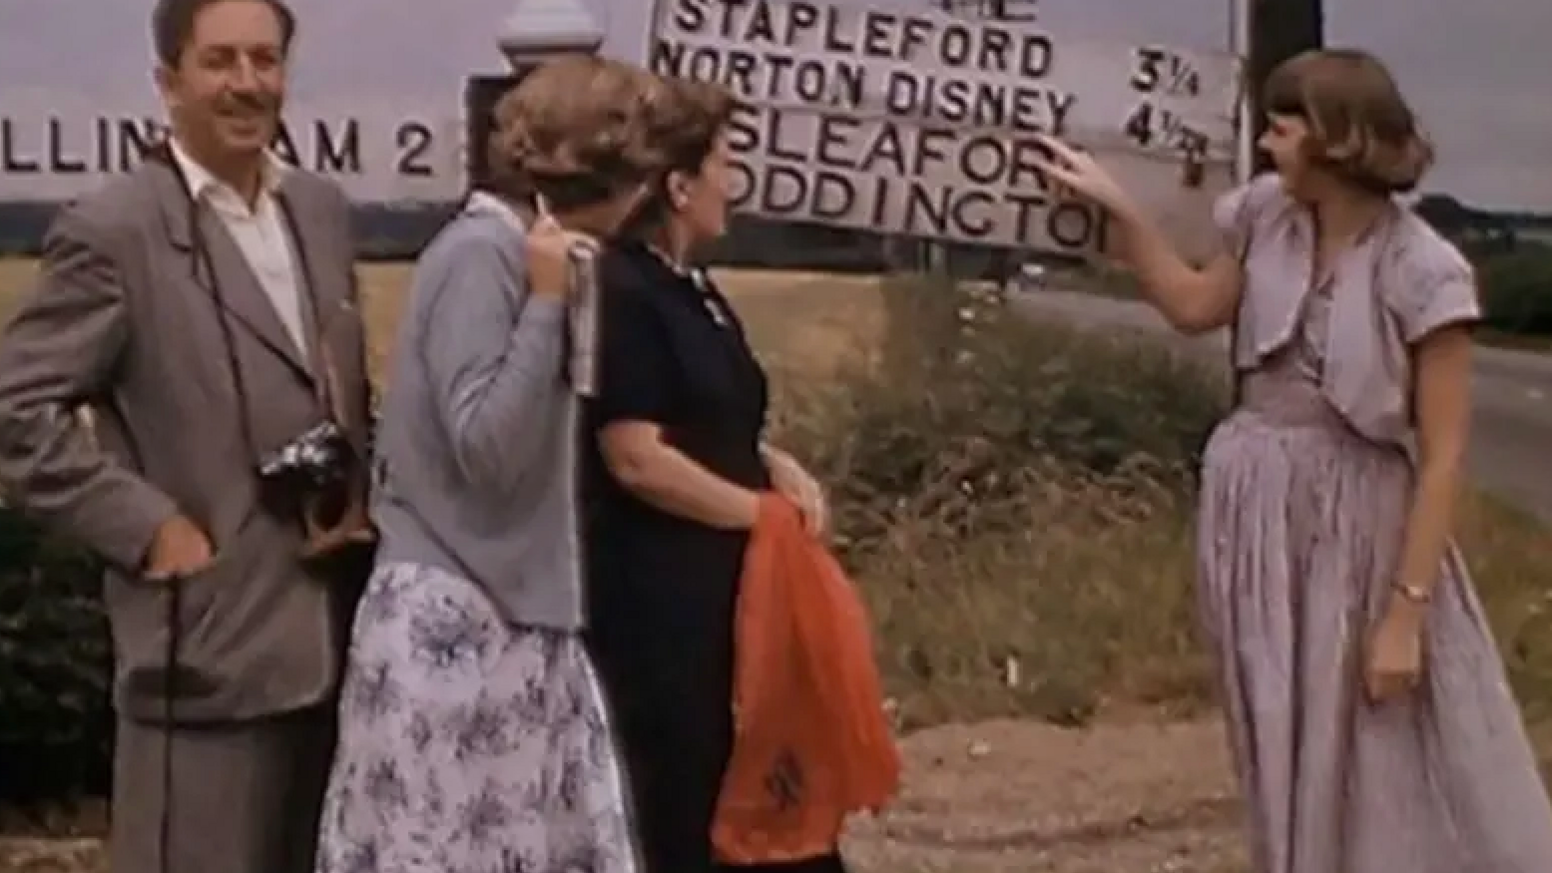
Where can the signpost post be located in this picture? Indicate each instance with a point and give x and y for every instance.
(1241, 38)
(1277, 30)
(535, 31)
(538, 30)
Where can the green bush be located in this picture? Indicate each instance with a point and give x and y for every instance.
(1517, 289)
(961, 368)
(55, 656)
(1014, 499)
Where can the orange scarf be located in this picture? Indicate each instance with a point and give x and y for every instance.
(811, 741)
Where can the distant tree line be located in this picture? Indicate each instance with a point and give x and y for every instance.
(1512, 253)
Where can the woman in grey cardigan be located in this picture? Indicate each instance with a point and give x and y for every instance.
(473, 736)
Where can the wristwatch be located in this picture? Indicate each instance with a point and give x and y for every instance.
(1415, 593)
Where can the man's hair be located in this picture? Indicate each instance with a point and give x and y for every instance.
(172, 25)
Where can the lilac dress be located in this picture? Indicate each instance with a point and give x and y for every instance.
(1300, 532)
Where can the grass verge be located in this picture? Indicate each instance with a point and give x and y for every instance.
(1015, 498)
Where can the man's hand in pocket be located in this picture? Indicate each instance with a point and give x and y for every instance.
(179, 549)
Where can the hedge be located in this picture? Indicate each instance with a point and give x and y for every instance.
(55, 657)
(1517, 289)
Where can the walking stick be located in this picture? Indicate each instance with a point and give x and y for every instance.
(174, 599)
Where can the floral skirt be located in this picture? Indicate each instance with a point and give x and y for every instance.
(468, 745)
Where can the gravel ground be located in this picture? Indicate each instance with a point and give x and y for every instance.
(997, 797)
(1009, 796)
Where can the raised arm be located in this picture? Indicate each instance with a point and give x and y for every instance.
(1192, 300)
(58, 352)
(492, 347)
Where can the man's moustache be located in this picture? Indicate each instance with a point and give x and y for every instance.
(246, 107)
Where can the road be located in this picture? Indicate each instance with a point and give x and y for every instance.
(1511, 453)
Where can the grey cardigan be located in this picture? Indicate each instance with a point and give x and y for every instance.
(476, 450)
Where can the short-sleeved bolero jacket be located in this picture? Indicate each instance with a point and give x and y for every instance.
(1402, 282)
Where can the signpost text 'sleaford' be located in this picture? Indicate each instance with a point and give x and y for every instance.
(921, 124)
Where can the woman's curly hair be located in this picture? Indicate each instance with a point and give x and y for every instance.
(577, 131)
(1361, 128)
(693, 117)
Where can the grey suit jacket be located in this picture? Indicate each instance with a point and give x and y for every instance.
(125, 321)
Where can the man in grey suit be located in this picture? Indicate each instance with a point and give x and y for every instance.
(203, 309)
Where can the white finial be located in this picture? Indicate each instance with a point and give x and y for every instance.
(539, 29)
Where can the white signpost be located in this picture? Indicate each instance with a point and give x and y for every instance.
(921, 124)
(893, 117)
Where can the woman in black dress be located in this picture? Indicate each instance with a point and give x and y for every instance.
(677, 466)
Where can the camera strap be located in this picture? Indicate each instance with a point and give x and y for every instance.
(323, 368)
(174, 598)
(205, 276)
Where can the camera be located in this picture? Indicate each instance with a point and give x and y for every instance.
(322, 477)
(320, 459)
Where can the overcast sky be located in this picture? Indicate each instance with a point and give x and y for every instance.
(1477, 72)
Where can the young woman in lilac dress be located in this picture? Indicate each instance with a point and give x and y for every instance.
(1371, 723)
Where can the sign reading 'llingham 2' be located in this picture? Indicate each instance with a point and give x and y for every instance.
(53, 149)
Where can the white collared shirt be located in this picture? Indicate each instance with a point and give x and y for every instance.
(481, 201)
(260, 233)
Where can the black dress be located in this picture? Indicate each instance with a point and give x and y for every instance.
(662, 588)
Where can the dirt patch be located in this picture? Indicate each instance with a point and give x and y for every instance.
(1022, 796)
(997, 797)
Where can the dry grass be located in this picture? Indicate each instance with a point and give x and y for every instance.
(812, 321)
